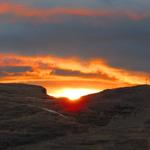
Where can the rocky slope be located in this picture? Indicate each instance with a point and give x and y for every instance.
(117, 119)
(24, 119)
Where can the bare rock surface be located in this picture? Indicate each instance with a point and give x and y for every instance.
(22, 90)
(117, 119)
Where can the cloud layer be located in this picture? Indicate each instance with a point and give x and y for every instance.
(58, 70)
(95, 42)
(18, 10)
(119, 35)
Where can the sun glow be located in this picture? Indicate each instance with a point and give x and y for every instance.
(73, 94)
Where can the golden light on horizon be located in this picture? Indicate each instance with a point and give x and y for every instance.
(73, 93)
(55, 72)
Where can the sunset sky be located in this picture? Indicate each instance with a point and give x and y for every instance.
(75, 44)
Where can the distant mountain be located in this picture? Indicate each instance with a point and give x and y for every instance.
(114, 119)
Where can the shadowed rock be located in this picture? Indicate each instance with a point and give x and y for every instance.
(24, 119)
(22, 90)
(116, 119)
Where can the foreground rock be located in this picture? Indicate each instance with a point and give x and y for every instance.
(117, 119)
(24, 119)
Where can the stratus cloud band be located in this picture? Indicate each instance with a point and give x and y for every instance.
(51, 68)
(22, 11)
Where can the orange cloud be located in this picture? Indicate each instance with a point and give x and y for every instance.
(19, 10)
(43, 67)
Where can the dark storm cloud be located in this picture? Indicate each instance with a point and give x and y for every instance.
(13, 70)
(123, 42)
(65, 72)
(138, 4)
(121, 38)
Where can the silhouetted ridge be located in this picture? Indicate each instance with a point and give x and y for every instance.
(22, 89)
(114, 119)
(100, 108)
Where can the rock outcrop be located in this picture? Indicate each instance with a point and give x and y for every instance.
(25, 120)
(22, 90)
(116, 119)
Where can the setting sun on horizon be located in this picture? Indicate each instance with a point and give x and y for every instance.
(73, 93)
(70, 68)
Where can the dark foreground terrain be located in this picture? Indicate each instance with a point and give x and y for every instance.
(117, 119)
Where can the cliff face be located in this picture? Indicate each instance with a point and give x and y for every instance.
(116, 119)
(22, 90)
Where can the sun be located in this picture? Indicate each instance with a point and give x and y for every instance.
(73, 93)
